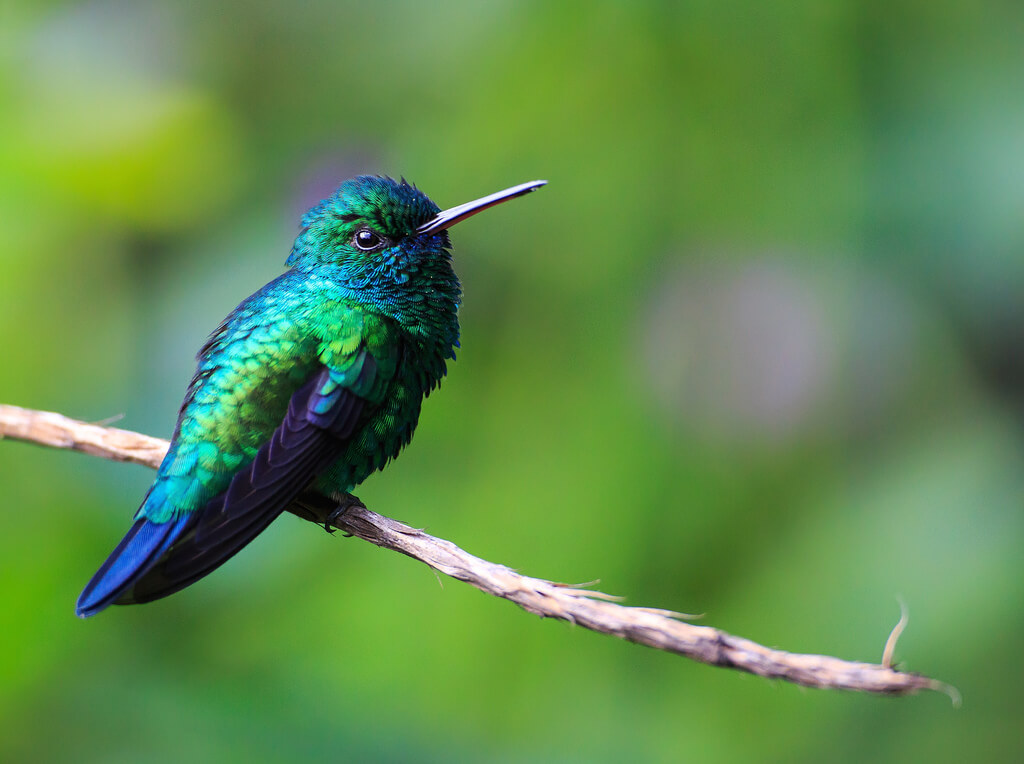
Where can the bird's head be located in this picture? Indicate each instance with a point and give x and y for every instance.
(379, 233)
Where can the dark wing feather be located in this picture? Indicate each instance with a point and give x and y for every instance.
(303, 445)
(157, 559)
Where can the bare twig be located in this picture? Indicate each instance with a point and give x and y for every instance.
(655, 628)
(894, 636)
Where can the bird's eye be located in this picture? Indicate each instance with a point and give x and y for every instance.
(365, 239)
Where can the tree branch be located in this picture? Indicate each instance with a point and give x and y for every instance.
(593, 610)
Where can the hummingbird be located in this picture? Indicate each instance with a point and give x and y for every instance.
(306, 388)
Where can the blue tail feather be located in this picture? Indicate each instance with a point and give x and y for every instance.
(140, 549)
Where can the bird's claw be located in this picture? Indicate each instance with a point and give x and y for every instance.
(343, 507)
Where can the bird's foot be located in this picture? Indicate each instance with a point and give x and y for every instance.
(345, 502)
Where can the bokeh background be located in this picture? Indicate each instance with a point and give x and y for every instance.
(757, 351)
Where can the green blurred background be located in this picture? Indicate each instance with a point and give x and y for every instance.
(757, 351)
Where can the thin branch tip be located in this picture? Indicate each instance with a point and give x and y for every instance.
(954, 694)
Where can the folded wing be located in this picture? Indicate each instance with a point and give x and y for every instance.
(157, 559)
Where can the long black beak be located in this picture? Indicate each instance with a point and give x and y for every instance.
(448, 218)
